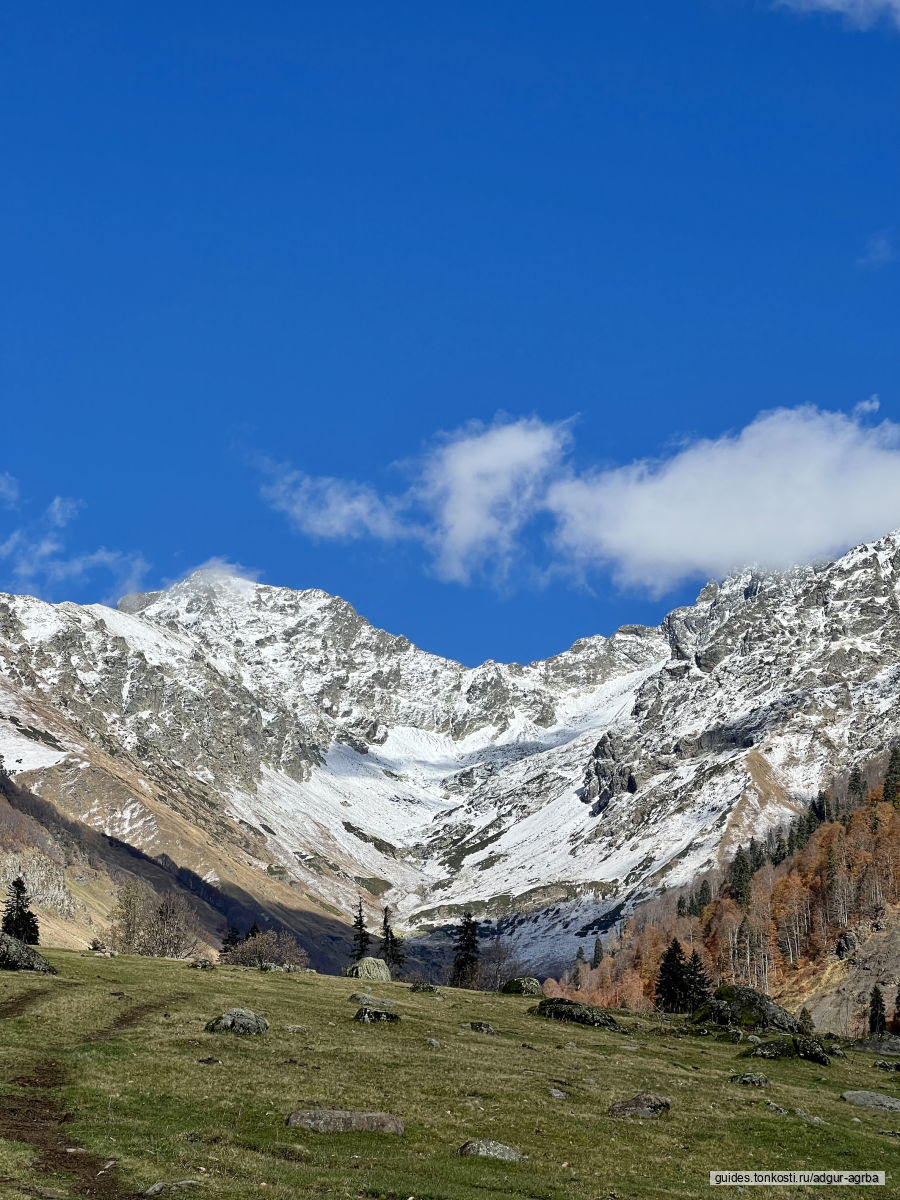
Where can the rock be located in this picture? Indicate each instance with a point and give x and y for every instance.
(17, 956)
(295, 1028)
(240, 1021)
(749, 1079)
(888, 1043)
(753, 1039)
(203, 964)
(157, 1189)
(580, 1014)
(362, 998)
(836, 1051)
(331, 1120)
(480, 1027)
(846, 944)
(523, 985)
(796, 1047)
(433, 1042)
(812, 1050)
(571, 1046)
(735, 1036)
(489, 1149)
(423, 987)
(370, 968)
(886, 1066)
(871, 1100)
(528, 1046)
(745, 1008)
(558, 1095)
(776, 1108)
(644, 1104)
(210, 1062)
(369, 1016)
(804, 1116)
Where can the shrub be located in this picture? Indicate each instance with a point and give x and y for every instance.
(275, 949)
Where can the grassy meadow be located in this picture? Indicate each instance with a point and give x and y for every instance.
(104, 1059)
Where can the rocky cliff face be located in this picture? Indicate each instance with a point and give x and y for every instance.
(275, 739)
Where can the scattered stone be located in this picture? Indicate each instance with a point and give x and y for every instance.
(580, 1014)
(480, 1027)
(882, 1065)
(433, 1042)
(528, 1046)
(644, 1104)
(369, 1016)
(362, 998)
(486, 1148)
(423, 987)
(17, 956)
(776, 1108)
(836, 1051)
(753, 1039)
(370, 968)
(295, 1028)
(157, 1189)
(523, 985)
(203, 964)
(331, 1120)
(885, 1132)
(806, 1117)
(210, 1062)
(871, 1100)
(745, 1008)
(240, 1021)
(558, 1095)
(571, 1046)
(749, 1079)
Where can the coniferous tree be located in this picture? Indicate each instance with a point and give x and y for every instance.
(805, 1023)
(856, 788)
(698, 988)
(682, 907)
(891, 792)
(877, 1015)
(704, 896)
(579, 954)
(252, 932)
(233, 937)
(597, 958)
(18, 919)
(739, 878)
(464, 971)
(362, 939)
(391, 948)
(756, 856)
(576, 977)
(671, 982)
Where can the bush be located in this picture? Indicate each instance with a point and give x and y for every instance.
(267, 949)
(158, 927)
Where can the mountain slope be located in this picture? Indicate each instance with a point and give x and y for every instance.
(275, 740)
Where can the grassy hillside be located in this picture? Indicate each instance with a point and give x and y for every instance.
(105, 1058)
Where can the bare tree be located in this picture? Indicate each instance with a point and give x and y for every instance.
(498, 964)
(143, 923)
(267, 949)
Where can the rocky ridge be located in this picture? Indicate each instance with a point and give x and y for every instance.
(275, 738)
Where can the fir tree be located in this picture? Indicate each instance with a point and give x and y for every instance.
(579, 954)
(891, 791)
(362, 939)
(233, 937)
(252, 932)
(756, 856)
(597, 958)
(671, 983)
(391, 948)
(704, 896)
(682, 907)
(877, 1015)
(856, 788)
(805, 1023)
(18, 919)
(698, 989)
(739, 878)
(464, 971)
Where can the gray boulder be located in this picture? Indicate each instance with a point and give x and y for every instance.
(486, 1148)
(18, 956)
(240, 1021)
(871, 1100)
(745, 1008)
(796, 1047)
(362, 998)
(418, 986)
(524, 985)
(579, 1014)
(888, 1043)
(644, 1104)
(480, 1027)
(749, 1079)
(886, 1066)
(331, 1120)
(370, 1016)
(370, 968)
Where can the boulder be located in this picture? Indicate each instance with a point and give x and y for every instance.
(644, 1104)
(871, 1100)
(362, 998)
(370, 968)
(776, 1108)
(580, 1014)
(794, 1047)
(433, 1043)
(888, 1043)
(804, 1116)
(486, 1148)
(203, 964)
(18, 956)
(331, 1120)
(745, 1008)
(480, 1027)
(846, 944)
(369, 1016)
(886, 1066)
(423, 987)
(240, 1021)
(524, 985)
(556, 1094)
(749, 1079)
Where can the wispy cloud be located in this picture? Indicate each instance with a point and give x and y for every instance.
(878, 253)
(792, 486)
(862, 14)
(34, 558)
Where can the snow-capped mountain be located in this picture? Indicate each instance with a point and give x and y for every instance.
(273, 740)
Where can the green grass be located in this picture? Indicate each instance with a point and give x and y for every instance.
(143, 1098)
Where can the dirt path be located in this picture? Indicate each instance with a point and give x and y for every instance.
(21, 1004)
(127, 1020)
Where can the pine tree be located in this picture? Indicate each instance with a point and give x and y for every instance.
(252, 932)
(18, 919)
(576, 978)
(805, 1023)
(464, 971)
(233, 937)
(391, 948)
(856, 788)
(877, 1015)
(671, 983)
(891, 792)
(704, 896)
(682, 907)
(597, 958)
(756, 856)
(579, 954)
(739, 878)
(698, 989)
(362, 939)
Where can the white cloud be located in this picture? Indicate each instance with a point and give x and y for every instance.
(879, 250)
(861, 13)
(222, 567)
(793, 486)
(9, 489)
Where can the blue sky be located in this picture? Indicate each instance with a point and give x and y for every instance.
(469, 313)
